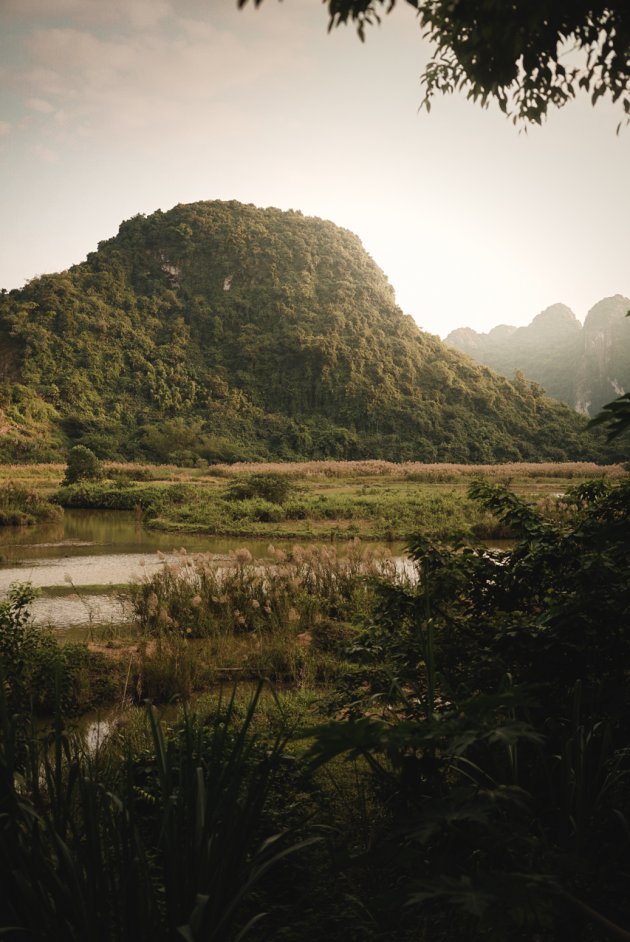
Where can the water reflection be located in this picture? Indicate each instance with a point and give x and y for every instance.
(97, 532)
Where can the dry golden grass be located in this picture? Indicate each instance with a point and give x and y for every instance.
(46, 478)
(416, 470)
(42, 478)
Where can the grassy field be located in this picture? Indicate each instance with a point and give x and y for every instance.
(47, 477)
(374, 500)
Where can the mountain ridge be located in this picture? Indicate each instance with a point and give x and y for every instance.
(585, 366)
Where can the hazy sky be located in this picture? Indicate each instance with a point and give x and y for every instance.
(109, 108)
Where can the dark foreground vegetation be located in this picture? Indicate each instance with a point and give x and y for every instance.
(445, 756)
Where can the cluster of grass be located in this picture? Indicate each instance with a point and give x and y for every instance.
(126, 471)
(20, 506)
(40, 477)
(47, 477)
(421, 471)
(288, 618)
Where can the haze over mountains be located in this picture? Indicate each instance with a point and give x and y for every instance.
(222, 331)
(584, 366)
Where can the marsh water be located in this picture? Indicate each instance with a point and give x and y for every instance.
(94, 551)
(82, 561)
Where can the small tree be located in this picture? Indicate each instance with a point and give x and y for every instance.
(83, 465)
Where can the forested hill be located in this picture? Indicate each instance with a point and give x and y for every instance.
(222, 331)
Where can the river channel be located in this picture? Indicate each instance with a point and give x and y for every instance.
(95, 551)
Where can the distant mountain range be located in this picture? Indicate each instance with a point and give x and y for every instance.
(224, 332)
(584, 366)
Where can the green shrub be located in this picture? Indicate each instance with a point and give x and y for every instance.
(39, 672)
(259, 510)
(117, 496)
(274, 488)
(493, 708)
(18, 642)
(170, 670)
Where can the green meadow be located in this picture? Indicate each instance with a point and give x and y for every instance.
(374, 500)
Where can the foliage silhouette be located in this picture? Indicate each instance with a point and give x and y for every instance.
(513, 53)
(497, 703)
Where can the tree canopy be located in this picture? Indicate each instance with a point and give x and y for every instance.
(526, 54)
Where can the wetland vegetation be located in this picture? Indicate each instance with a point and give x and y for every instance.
(335, 744)
(320, 499)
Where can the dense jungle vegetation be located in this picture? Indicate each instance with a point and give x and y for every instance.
(219, 331)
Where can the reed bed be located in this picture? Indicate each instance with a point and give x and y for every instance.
(288, 618)
(49, 476)
(299, 589)
(416, 470)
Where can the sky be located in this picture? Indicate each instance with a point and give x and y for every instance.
(110, 108)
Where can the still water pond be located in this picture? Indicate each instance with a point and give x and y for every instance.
(97, 548)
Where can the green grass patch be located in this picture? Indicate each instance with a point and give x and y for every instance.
(21, 506)
(311, 500)
(65, 591)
